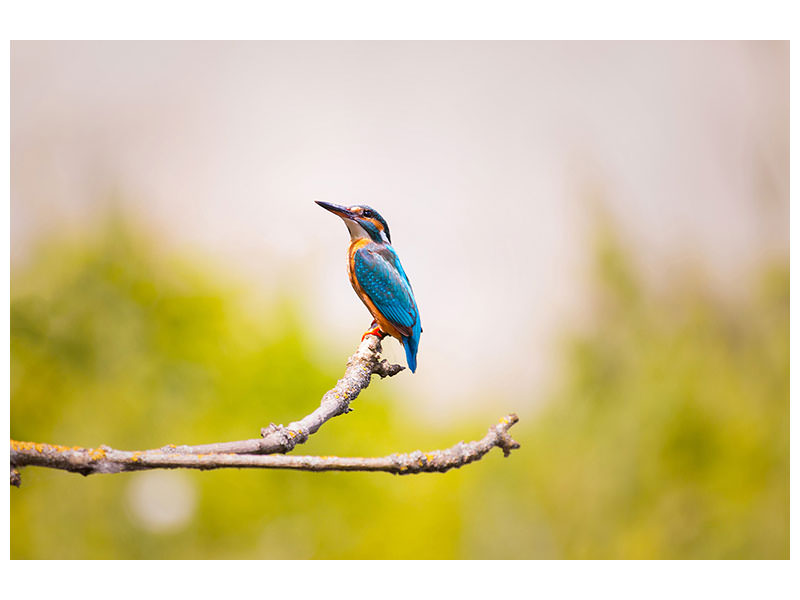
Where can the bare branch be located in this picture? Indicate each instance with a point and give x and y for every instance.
(88, 461)
(266, 452)
(276, 438)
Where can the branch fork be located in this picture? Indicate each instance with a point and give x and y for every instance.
(269, 451)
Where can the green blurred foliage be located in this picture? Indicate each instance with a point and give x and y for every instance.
(668, 436)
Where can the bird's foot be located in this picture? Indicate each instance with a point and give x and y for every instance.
(376, 331)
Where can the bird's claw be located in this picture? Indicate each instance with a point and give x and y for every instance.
(376, 331)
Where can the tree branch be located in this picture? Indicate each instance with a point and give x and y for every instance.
(364, 363)
(267, 451)
(88, 461)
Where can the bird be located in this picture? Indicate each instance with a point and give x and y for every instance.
(378, 278)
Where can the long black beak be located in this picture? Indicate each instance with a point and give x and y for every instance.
(341, 211)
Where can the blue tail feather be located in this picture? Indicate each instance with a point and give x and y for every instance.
(411, 344)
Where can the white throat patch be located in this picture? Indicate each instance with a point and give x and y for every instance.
(357, 232)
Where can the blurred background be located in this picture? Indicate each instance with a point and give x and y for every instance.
(597, 235)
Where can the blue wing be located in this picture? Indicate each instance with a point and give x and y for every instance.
(386, 285)
(382, 278)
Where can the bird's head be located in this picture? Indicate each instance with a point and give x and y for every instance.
(362, 222)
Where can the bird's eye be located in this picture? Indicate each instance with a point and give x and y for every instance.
(367, 213)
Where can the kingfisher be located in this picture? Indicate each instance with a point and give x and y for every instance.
(379, 279)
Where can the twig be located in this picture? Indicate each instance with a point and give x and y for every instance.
(88, 461)
(276, 438)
